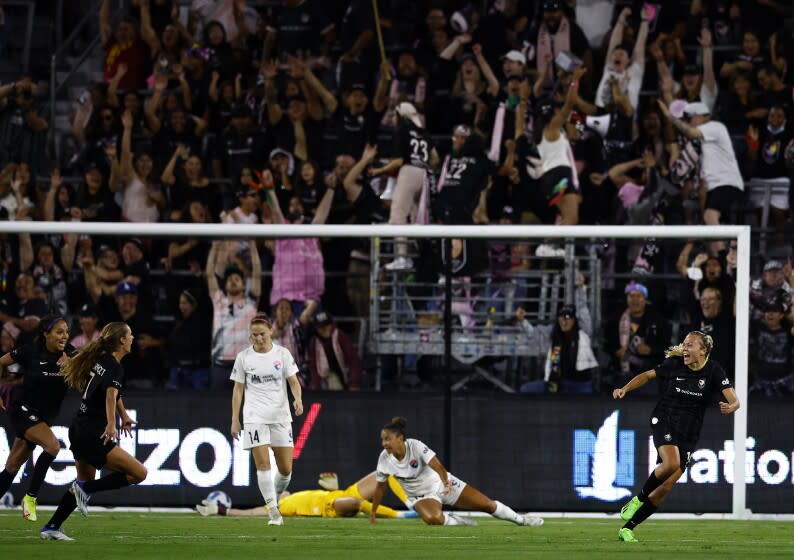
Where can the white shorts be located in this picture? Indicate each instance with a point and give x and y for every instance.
(274, 435)
(779, 197)
(456, 487)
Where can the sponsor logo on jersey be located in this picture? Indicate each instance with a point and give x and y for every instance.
(726, 381)
(414, 463)
(667, 437)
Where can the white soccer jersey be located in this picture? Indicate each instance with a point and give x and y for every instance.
(265, 378)
(413, 472)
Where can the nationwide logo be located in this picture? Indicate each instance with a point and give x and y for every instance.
(603, 463)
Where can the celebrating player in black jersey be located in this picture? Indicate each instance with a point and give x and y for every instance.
(690, 379)
(96, 371)
(43, 390)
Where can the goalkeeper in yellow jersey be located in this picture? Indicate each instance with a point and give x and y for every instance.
(328, 502)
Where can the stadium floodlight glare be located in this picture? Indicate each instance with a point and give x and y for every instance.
(637, 233)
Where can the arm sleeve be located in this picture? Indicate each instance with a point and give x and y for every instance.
(723, 381)
(238, 375)
(426, 453)
(290, 367)
(382, 472)
(665, 369)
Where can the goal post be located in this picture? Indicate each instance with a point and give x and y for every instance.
(637, 233)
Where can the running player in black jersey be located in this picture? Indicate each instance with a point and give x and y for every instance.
(96, 371)
(690, 379)
(31, 415)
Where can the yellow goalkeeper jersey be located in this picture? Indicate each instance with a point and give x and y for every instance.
(310, 503)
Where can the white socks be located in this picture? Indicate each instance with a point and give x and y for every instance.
(504, 512)
(282, 482)
(267, 488)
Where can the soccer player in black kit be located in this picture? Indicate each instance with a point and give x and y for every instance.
(97, 373)
(32, 413)
(690, 379)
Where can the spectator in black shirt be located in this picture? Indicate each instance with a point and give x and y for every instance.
(691, 378)
(136, 269)
(774, 91)
(30, 308)
(187, 348)
(767, 149)
(303, 28)
(37, 406)
(144, 363)
(772, 350)
(97, 373)
(186, 184)
(717, 320)
(749, 59)
(241, 145)
(465, 173)
(411, 162)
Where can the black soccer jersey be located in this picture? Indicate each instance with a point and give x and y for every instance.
(687, 394)
(465, 176)
(412, 146)
(43, 387)
(105, 373)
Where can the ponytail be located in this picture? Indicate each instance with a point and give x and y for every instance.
(77, 371)
(397, 425)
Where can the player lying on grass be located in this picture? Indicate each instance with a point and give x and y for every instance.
(428, 484)
(328, 502)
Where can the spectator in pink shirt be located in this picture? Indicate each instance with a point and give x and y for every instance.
(334, 364)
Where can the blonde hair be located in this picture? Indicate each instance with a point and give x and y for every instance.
(77, 371)
(678, 349)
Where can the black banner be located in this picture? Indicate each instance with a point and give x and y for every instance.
(545, 454)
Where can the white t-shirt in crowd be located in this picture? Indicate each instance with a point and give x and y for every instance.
(718, 161)
(264, 375)
(413, 472)
(630, 83)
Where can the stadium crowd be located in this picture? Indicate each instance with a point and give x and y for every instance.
(530, 112)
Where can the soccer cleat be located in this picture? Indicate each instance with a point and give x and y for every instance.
(275, 517)
(410, 514)
(207, 508)
(463, 520)
(80, 498)
(50, 534)
(627, 535)
(29, 507)
(531, 521)
(400, 263)
(630, 508)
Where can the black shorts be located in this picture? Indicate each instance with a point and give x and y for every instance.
(722, 199)
(87, 445)
(557, 183)
(664, 435)
(23, 418)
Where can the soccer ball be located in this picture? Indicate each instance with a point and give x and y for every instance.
(221, 498)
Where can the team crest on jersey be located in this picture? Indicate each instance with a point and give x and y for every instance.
(277, 365)
(701, 383)
(414, 463)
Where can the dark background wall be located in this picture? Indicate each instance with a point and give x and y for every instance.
(521, 451)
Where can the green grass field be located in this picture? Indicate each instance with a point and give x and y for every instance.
(182, 535)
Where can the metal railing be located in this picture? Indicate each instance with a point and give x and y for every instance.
(91, 15)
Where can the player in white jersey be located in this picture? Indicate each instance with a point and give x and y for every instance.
(261, 373)
(428, 484)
